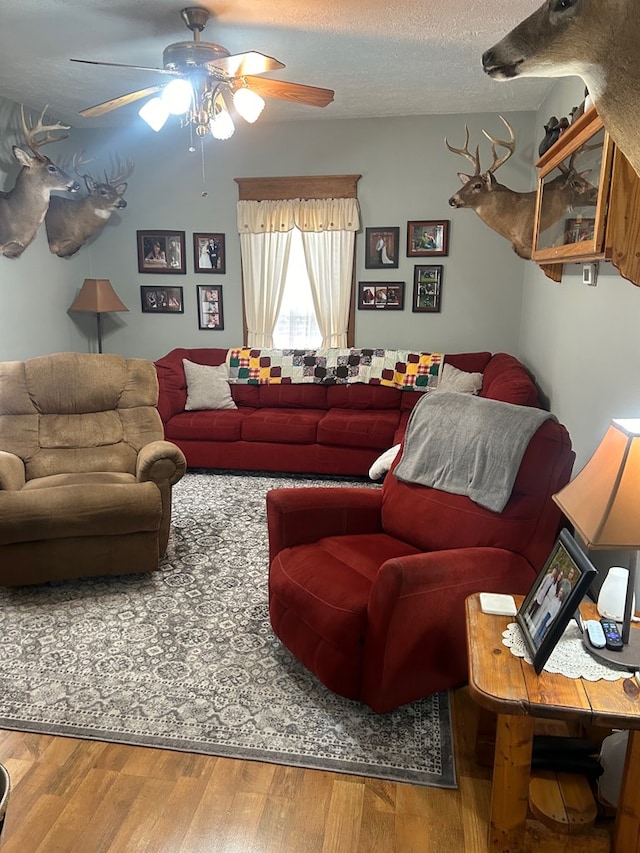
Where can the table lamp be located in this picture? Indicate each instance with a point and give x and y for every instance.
(603, 504)
(98, 297)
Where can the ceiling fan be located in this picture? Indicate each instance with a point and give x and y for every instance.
(209, 73)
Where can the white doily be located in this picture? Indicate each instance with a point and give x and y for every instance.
(569, 657)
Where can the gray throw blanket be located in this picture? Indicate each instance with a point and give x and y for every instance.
(467, 445)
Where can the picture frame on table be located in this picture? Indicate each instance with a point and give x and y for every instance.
(161, 300)
(209, 255)
(161, 252)
(381, 295)
(428, 238)
(382, 248)
(210, 311)
(554, 597)
(427, 289)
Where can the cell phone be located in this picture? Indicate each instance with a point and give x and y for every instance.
(611, 635)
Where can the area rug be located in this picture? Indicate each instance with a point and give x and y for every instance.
(185, 658)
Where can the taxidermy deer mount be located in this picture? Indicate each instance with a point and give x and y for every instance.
(70, 222)
(509, 212)
(23, 208)
(594, 39)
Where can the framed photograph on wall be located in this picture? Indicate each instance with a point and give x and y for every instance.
(381, 295)
(427, 238)
(161, 252)
(381, 248)
(427, 289)
(210, 314)
(161, 300)
(554, 597)
(209, 253)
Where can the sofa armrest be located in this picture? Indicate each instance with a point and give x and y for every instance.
(302, 515)
(12, 474)
(416, 639)
(161, 462)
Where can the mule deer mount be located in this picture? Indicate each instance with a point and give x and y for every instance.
(23, 208)
(70, 222)
(593, 39)
(507, 211)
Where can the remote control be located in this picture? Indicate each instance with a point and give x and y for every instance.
(612, 637)
(595, 634)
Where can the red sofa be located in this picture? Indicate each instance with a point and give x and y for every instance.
(315, 429)
(367, 586)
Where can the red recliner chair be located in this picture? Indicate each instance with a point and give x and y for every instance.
(367, 586)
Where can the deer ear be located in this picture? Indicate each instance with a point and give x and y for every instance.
(23, 157)
(121, 188)
(464, 178)
(90, 183)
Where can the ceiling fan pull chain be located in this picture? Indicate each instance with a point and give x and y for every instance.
(204, 192)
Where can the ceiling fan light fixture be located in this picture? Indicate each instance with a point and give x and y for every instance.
(221, 124)
(155, 113)
(178, 96)
(248, 104)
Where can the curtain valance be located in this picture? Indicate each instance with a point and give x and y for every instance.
(330, 214)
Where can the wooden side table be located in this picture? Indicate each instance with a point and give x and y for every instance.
(507, 685)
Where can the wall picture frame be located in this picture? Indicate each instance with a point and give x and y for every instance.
(427, 289)
(209, 253)
(210, 310)
(161, 300)
(428, 238)
(161, 252)
(382, 248)
(381, 295)
(554, 597)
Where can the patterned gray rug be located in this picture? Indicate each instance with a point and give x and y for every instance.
(185, 658)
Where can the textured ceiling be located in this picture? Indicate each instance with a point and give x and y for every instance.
(382, 57)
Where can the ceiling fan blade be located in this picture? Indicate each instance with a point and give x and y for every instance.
(124, 65)
(123, 100)
(241, 64)
(296, 92)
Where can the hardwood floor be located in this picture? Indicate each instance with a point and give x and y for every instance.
(74, 796)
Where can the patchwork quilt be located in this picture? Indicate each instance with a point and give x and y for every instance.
(402, 369)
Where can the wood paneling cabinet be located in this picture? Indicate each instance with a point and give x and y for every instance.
(603, 223)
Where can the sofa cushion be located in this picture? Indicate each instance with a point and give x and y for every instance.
(207, 387)
(348, 428)
(282, 426)
(207, 425)
(291, 396)
(505, 378)
(361, 396)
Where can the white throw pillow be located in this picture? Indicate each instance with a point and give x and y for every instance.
(452, 379)
(207, 387)
(383, 463)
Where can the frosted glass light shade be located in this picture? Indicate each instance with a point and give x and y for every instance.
(221, 124)
(177, 96)
(248, 104)
(155, 113)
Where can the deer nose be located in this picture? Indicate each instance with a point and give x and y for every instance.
(487, 58)
(453, 202)
(73, 186)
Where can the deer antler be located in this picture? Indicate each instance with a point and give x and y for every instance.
(510, 145)
(464, 152)
(118, 171)
(31, 133)
(78, 162)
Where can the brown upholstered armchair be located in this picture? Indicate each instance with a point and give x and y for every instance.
(85, 473)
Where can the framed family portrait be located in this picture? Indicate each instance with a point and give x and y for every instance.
(554, 597)
(427, 289)
(426, 238)
(210, 314)
(381, 248)
(161, 300)
(161, 252)
(209, 253)
(379, 295)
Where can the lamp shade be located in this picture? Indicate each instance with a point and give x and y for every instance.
(603, 500)
(97, 296)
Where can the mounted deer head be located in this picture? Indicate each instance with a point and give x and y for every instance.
(71, 222)
(512, 213)
(593, 39)
(22, 209)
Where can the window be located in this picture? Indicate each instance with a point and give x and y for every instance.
(297, 326)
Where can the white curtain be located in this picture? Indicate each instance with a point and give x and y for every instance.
(328, 227)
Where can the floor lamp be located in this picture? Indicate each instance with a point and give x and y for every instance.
(97, 296)
(603, 504)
